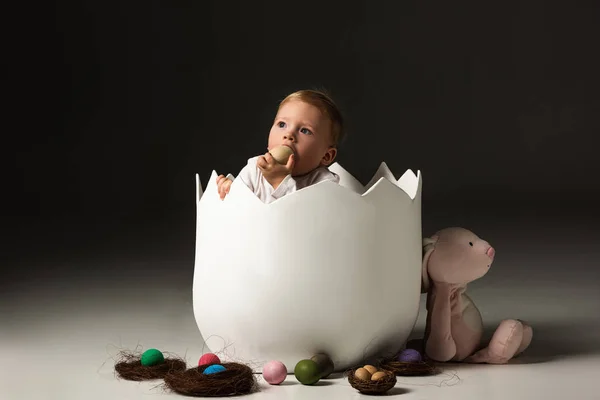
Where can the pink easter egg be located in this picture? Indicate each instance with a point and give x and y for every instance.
(274, 372)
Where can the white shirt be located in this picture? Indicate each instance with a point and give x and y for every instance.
(252, 176)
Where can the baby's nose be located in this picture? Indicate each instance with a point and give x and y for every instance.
(491, 252)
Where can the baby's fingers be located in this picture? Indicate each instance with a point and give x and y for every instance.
(290, 163)
(261, 162)
(269, 158)
(219, 184)
(223, 187)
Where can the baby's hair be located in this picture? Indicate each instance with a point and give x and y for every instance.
(325, 104)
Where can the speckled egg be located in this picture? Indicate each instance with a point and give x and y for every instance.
(378, 375)
(362, 374)
(372, 369)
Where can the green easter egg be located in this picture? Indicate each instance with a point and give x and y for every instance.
(307, 372)
(325, 364)
(152, 357)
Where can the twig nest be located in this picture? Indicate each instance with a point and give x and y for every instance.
(378, 382)
(410, 369)
(131, 366)
(235, 379)
(409, 362)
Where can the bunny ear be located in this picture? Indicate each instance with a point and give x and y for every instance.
(428, 248)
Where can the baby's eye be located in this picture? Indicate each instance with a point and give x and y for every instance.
(306, 131)
(281, 124)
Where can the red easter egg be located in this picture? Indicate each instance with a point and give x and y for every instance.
(209, 358)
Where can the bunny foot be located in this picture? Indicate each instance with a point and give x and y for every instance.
(511, 338)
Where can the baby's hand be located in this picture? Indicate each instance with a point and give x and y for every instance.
(274, 172)
(223, 185)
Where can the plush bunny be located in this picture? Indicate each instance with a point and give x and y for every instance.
(452, 258)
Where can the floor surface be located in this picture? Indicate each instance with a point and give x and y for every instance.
(60, 336)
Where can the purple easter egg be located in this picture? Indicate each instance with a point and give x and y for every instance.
(410, 355)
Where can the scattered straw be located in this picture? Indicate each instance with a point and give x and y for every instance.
(377, 387)
(237, 379)
(130, 367)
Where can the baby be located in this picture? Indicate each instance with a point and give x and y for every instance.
(310, 124)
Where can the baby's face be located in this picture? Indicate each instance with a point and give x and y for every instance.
(302, 127)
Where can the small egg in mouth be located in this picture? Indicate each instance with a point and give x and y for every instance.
(281, 154)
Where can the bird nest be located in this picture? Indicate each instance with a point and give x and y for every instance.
(401, 368)
(237, 379)
(377, 387)
(130, 367)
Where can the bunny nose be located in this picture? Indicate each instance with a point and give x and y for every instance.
(491, 252)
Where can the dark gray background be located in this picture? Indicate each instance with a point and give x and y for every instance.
(111, 108)
(114, 106)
